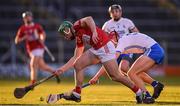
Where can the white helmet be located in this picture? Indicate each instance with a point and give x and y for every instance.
(27, 13)
(114, 6)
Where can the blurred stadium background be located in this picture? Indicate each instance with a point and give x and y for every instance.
(158, 18)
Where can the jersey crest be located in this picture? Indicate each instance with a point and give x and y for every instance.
(86, 38)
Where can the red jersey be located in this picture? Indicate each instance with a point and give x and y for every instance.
(84, 35)
(33, 33)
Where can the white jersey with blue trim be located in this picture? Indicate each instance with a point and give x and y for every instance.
(122, 26)
(135, 40)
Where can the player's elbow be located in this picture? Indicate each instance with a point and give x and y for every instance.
(78, 66)
(135, 29)
(43, 36)
(88, 18)
(16, 41)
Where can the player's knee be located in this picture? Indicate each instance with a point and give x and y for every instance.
(32, 64)
(77, 66)
(131, 73)
(123, 70)
(124, 67)
(141, 76)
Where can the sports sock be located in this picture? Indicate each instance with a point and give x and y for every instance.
(139, 92)
(135, 89)
(77, 89)
(32, 81)
(154, 83)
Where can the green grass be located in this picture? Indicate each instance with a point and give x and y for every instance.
(106, 93)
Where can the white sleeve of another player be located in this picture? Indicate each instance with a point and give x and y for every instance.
(119, 47)
(105, 27)
(130, 24)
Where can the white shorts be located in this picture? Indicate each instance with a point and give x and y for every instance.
(37, 52)
(105, 53)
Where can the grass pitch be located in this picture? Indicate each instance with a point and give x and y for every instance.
(106, 93)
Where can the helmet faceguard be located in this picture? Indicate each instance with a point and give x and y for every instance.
(66, 28)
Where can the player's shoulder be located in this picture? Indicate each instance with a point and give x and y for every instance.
(126, 19)
(22, 27)
(108, 22)
(37, 24)
(77, 23)
(80, 23)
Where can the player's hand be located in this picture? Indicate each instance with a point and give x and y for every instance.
(59, 72)
(41, 39)
(94, 80)
(95, 37)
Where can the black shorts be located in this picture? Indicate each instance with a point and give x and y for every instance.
(131, 58)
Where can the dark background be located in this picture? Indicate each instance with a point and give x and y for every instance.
(159, 19)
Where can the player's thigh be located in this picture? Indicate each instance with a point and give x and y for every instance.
(33, 60)
(37, 63)
(126, 62)
(124, 65)
(41, 61)
(111, 67)
(143, 63)
(85, 60)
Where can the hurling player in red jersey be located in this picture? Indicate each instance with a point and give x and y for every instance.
(84, 31)
(34, 36)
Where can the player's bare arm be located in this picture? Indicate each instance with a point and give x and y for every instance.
(135, 29)
(18, 39)
(89, 22)
(77, 53)
(42, 37)
(97, 76)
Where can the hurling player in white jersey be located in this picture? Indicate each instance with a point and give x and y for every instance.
(122, 26)
(154, 54)
(117, 23)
